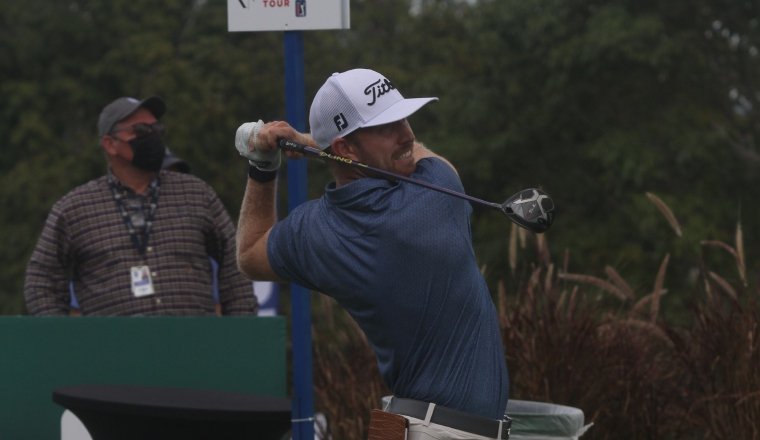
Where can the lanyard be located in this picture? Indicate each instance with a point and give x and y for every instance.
(118, 197)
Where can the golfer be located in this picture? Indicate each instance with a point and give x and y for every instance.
(397, 257)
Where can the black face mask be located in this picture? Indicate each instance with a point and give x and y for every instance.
(149, 152)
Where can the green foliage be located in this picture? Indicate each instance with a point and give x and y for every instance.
(598, 102)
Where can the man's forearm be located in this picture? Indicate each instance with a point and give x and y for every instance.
(257, 216)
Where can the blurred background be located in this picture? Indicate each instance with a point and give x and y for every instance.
(597, 102)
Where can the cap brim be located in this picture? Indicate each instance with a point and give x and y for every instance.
(398, 111)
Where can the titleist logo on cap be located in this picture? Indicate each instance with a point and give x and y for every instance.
(378, 89)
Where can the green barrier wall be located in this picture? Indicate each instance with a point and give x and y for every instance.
(38, 355)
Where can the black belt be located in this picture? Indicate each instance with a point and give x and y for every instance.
(451, 417)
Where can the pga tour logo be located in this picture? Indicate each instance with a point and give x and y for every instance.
(300, 8)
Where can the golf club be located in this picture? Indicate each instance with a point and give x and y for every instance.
(531, 208)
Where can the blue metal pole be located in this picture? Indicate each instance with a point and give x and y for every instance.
(295, 107)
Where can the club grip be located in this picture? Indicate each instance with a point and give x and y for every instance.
(291, 146)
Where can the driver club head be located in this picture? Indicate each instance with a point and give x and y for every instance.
(530, 208)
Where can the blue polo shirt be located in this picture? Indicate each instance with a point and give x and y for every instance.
(399, 258)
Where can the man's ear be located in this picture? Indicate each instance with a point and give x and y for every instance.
(342, 147)
(108, 145)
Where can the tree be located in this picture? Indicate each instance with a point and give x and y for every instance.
(598, 102)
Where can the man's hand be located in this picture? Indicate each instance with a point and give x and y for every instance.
(249, 146)
(271, 132)
(257, 142)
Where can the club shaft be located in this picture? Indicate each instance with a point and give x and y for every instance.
(314, 152)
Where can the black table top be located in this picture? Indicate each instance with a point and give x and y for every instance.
(184, 403)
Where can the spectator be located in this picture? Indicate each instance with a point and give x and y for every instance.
(137, 240)
(397, 257)
(173, 162)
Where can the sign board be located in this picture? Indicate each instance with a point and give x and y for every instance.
(287, 15)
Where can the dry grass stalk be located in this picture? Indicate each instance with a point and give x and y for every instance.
(325, 303)
(566, 301)
(543, 249)
(572, 303)
(748, 397)
(565, 260)
(666, 212)
(501, 297)
(708, 289)
(533, 282)
(532, 289)
(638, 308)
(594, 281)
(548, 278)
(657, 291)
(737, 253)
(722, 245)
(651, 329)
(513, 248)
(562, 298)
(740, 262)
(648, 329)
(618, 281)
(724, 285)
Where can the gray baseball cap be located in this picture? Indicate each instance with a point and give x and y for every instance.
(125, 106)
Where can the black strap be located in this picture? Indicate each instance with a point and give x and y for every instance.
(261, 176)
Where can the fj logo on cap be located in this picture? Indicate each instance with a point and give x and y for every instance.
(378, 89)
(340, 121)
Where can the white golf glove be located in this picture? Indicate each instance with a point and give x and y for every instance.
(245, 136)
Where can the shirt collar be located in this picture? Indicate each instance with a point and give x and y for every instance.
(112, 179)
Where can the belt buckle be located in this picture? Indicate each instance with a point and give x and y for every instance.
(508, 422)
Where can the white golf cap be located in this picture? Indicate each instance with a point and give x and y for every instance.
(355, 99)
